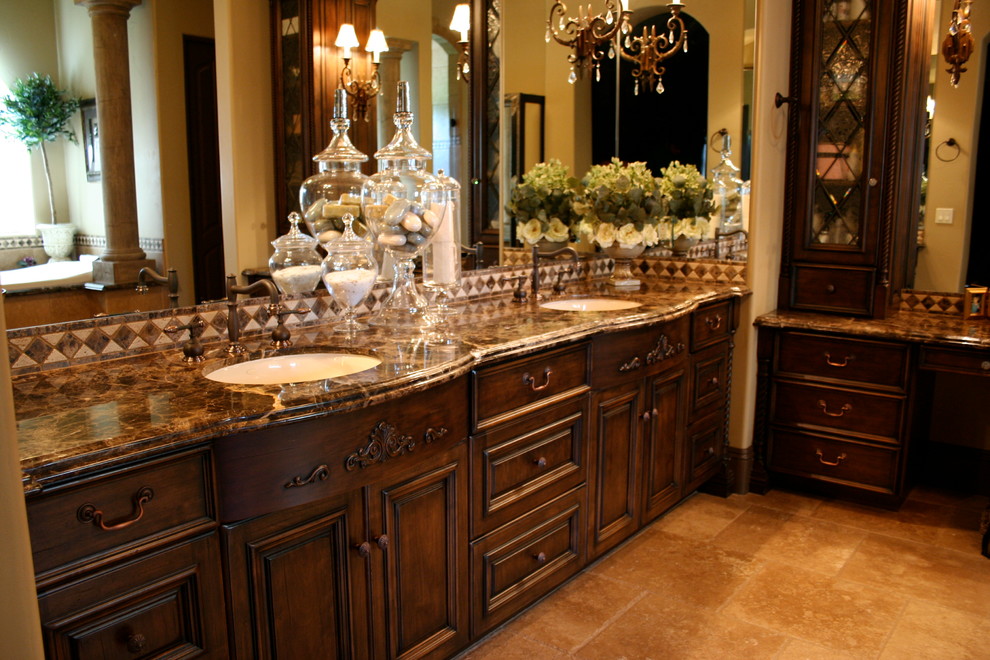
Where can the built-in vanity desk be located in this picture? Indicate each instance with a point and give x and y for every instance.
(403, 511)
(843, 404)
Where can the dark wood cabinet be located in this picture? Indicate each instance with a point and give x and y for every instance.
(854, 145)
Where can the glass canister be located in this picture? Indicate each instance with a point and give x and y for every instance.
(295, 265)
(335, 190)
(404, 206)
(727, 189)
(349, 273)
(442, 259)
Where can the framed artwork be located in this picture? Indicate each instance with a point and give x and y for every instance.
(975, 302)
(91, 138)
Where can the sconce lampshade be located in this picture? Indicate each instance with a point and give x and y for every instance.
(376, 44)
(461, 22)
(346, 39)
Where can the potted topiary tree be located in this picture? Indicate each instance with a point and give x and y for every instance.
(34, 113)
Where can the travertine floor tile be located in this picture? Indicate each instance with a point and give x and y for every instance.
(662, 564)
(798, 649)
(782, 500)
(947, 577)
(836, 614)
(932, 632)
(702, 516)
(570, 617)
(948, 498)
(790, 539)
(506, 646)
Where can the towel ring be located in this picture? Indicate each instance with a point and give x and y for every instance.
(951, 142)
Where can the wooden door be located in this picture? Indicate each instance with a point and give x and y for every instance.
(419, 540)
(297, 582)
(617, 414)
(663, 444)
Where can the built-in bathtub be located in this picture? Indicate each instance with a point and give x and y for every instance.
(50, 275)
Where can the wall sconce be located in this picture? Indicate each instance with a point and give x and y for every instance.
(361, 91)
(958, 44)
(587, 35)
(649, 50)
(461, 22)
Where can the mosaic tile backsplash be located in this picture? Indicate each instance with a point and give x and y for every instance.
(60, 345)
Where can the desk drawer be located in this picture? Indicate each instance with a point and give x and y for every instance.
(974, 362)
(107, 515)
(709, 378)
(620, 356)
(876, 416)
(833, 289)
(872, 363)
(711, 324)
(503, 390)
(832, 459)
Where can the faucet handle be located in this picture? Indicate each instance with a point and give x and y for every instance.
(281, 338)
(519, 293)
(192, 348)
(559, 286)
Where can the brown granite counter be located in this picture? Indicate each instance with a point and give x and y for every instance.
(918, 327)
(83, 418)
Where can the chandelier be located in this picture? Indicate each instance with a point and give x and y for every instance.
(587, 35)
(647, 52)
(958, 43)
(361, 91)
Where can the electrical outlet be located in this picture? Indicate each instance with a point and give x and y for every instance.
(943, 216)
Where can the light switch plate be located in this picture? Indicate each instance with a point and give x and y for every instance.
(943, 216)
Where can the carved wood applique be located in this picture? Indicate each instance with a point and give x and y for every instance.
(319, 473)
(663, 350)
(384, 443)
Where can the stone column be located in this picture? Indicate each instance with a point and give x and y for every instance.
(122, 258)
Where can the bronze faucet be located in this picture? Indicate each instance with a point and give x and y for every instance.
(170, 279)
(549, 255)
(280, 334)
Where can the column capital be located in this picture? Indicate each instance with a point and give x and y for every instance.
(121, 7)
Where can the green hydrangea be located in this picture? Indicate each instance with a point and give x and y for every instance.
(542, 202)
(625, 196)
(689, 195)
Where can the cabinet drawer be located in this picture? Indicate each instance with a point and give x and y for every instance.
(711, 324)
(873, 415)
(709, 378)
(275, 468)
(706, 441)
(524, 464)
(871, 363)
(832, 459)
(973, 362)
(620, 356)
(93, 521)
(518, 386)
(169, 605)
(834, 289)
(520, 562)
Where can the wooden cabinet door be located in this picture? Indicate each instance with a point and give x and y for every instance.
(663, 444)
(618, 423)
(419, 530)
(296, 581)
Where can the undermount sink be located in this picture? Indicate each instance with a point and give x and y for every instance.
(590, 304)
(298, 368)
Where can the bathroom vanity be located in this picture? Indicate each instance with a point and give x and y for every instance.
(403, 511)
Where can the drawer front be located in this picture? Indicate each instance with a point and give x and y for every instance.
(831, 459)
(275, 468)
(846, 290)
(522, 465)
(711, 324)
(870, 415)
(620, 356)
(520, 562)
(709, 378)
(504, 390)
(871, 363)
(973, 362)
(706, 441)
(169, 605)
(105, 516)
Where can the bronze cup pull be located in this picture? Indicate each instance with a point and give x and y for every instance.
(529, 380)
(89, 513)
(838, 459)
(832, 363)
(842, 411)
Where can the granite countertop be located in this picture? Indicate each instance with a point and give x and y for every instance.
(947, 330)
(84, 418)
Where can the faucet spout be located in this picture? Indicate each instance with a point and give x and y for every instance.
(170, 279)
(550, 255)
(233, 323)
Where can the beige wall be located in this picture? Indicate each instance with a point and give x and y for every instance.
(942, 263)
(412, 21)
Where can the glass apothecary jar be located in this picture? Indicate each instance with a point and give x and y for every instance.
(349, 273)
(335, 190)
(442, 259)
(296, 264)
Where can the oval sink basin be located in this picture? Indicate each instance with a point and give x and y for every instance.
(590, 304)
(299, 368)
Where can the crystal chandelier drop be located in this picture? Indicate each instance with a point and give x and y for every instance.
(588, 36)
(958, 43)
(648, 51)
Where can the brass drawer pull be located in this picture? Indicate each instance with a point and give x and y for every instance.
(713, 381)
(832, 363)
(646, 416)
(985, 365)
(838, 459)
(89, 513)
(136, 643)
(631, 365)
(382, 542)
(319, 473)
(842, 411)
(540, 462)
(529, 380)
(540, 558)
(709, 451)
(714, 322)
(364, 549)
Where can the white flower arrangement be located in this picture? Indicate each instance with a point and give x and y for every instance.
(689, 202)
(619, 203)
(542, 203)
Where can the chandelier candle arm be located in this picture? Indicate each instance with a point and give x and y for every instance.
(650, 50)
(587, 35)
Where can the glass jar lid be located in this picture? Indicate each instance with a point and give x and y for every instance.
(294, 239)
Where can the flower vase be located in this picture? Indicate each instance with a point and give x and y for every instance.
(681, 245)
(57, 240)
(622, 275)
